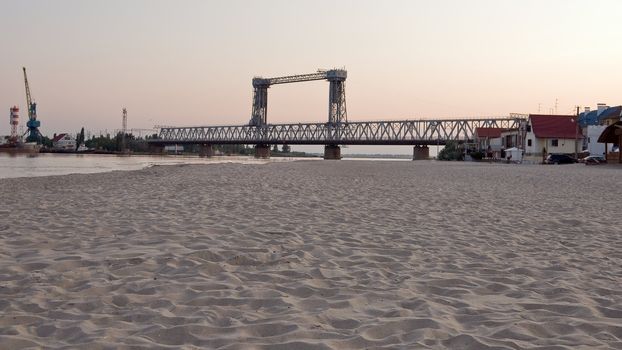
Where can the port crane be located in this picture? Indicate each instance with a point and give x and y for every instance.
(34, 135)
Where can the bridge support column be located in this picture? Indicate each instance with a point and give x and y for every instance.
(262, 151)
(206, 151)
(421, 152)
(156, 149)
(332, 152)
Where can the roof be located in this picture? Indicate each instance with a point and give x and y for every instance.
(589, 118)
(555, 126)
(489, 132)
(609, 134)
(58, 137)
(611, 112)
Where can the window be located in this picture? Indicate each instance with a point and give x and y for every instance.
(528, 128)
(529, 142)
(554, 143)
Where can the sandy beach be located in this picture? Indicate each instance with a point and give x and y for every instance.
(314, 255)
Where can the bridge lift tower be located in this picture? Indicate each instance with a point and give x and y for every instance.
(336, 98)
(336, 104)
(34, 135)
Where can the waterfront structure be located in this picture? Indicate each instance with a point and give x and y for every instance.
(14, 122)
(64, 143)
(594, 122)
(613, 135)
(489, 141)
(34, 135)
(14, 143)
(513, 138)
(591, 144)
(417, 133)
(546, 134)
(333, 133)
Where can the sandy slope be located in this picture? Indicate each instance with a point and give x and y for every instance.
(314, 255)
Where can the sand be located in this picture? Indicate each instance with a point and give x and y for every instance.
(314, 255)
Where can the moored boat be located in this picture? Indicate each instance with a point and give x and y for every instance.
(20, 147)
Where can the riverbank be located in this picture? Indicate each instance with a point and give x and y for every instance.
(314, 255)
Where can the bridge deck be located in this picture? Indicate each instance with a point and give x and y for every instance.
(404, 132)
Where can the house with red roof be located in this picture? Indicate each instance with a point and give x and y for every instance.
(547, 134)
(64, 142)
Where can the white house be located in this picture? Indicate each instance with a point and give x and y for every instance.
(593, 132)
(512, 138)
(489, 141)
(63, 142)
(547, 134)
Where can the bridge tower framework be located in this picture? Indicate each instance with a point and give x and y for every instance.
(260, 102)
(336, 98)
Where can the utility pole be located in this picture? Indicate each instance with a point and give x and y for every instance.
(124, 130)
(576, 135)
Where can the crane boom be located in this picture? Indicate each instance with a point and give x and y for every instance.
(28, 98)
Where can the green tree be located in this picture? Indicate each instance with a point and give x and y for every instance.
(46, 141)
(451, 151)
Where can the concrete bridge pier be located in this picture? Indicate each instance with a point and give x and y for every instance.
(156, 149)
(262, 151)
(206, 150)
(332, 152)
(421, 152)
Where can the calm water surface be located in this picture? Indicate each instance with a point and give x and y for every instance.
(46, 164)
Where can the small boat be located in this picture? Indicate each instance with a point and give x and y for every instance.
(83, 149)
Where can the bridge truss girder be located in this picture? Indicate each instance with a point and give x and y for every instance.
(404, 132)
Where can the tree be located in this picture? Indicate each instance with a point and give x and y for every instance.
(286, 149)
(451, 151)
(46, 141)
(80, 138)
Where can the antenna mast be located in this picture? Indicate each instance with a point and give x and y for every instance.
(124, 130)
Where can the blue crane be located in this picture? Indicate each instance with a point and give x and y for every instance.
(34, 135)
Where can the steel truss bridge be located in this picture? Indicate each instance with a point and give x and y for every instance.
(336, 131)
(402, 132)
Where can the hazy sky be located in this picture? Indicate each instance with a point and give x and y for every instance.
(191, 62)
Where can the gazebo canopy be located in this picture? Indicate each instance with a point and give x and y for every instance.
(611, 134)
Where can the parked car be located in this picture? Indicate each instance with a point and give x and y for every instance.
(594, 160)
(559, 159)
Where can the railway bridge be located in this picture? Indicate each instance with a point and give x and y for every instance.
(332, 134)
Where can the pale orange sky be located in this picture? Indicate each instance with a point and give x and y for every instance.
(191, 62)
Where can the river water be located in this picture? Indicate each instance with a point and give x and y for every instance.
(45, 164)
